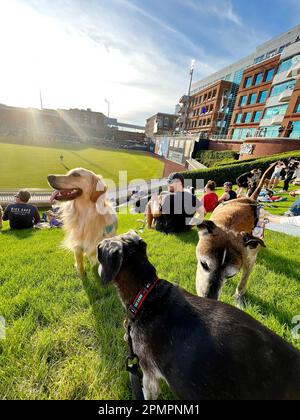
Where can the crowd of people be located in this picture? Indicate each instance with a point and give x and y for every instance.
(178, 209)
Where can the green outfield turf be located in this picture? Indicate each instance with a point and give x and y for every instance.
(28, 166)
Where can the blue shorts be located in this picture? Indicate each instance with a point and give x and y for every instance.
(276, 176)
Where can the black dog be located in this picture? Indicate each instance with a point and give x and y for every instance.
(202, 348)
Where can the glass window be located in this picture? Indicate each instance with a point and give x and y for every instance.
(270, 75)
(238, 119)
(239, 133)
(271, 53)
(262, 97)
(287, 64)
(259, 59)
(238, 75)
(247, 117)
(252, 99)
(275, 110)
(243, 101)
(248, 82)
(296, 131)
(278, 89)
(269, 132)
(258, 79)
(257, 116)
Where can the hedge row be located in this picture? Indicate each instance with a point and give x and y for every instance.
(210, 158)
(231, 172)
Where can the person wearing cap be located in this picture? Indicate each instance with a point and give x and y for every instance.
(229, 194)
(172, 212)
(21, 215)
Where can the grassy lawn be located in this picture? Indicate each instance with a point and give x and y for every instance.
(28, 166)
(65, 336)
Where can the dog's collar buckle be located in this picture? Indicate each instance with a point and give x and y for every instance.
(136, 304)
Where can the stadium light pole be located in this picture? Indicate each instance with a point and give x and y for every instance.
(41, 100)
(108, 107)
(192, 68)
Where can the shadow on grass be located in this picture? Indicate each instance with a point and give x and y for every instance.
(18, 234)
(267, 308)
(109, 316)
(279, 264)
(189, 237)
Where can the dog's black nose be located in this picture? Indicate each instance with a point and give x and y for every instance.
(51, 179)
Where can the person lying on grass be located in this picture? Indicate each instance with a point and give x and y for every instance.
(172, 212)
(21, 215)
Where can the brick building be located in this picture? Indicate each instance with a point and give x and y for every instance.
(160, 124)
(210, 109)
(251, 100)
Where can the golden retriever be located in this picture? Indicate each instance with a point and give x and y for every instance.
(87, 214)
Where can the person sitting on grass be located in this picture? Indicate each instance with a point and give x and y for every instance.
(210, 198)
(52, 217)
(21, 215)
(229, 194)
(173, 212)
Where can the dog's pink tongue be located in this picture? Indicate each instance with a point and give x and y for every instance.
(54, 195)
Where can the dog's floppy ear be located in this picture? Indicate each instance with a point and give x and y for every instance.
(99, 188)
(110, 256)
(206, 228)
(251, 241)
(135, 236)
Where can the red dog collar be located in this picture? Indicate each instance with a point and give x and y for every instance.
(136, 303)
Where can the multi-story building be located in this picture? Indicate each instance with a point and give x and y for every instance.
(160, 124)
(234, 72)
(264, 90)
(251, 100)
(282, 107)
(210, 109)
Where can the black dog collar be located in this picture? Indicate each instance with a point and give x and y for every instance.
(136, 303)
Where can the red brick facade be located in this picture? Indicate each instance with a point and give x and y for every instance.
(205, 108)
(254, 91)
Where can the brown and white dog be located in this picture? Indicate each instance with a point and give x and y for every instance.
(226, 245)
(87, 214)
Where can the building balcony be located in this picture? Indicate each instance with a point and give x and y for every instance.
(294, 71)
(275, 120)
(281, 78)
(286, 95)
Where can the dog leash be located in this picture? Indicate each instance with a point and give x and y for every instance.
(132, 361)
(134, 370)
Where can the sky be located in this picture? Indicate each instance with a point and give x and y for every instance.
(134, 53)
